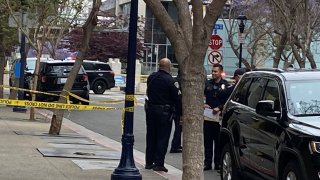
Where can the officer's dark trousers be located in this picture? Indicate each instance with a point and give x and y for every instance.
(176, 140)
(158, 133)
(211, 131)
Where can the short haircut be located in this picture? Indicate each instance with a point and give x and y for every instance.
(218, 66)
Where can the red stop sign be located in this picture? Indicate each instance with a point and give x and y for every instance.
(215, 42)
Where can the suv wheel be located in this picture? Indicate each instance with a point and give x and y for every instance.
(292, 171)
(228, 169)
(99, 87)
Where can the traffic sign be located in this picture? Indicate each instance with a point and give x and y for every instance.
(218, 26)
(215, 57)
(241, 37)
(215, 42)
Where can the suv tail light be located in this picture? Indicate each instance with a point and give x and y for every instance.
(112, 73)
(85, 77)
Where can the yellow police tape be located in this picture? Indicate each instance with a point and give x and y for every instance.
(67, 106)
(31, 91)
(54, 105)
(73, 95)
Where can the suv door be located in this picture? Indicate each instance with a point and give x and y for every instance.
(237, 119)
(264, 134)
(254, 95)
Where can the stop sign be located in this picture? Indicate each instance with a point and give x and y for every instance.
(215, 42)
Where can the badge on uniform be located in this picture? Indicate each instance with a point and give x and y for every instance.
(176, 84)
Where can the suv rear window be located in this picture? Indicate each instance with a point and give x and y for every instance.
(61, 68)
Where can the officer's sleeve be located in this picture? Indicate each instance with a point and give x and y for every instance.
(174, 91)
(225, 94)
(205, 86)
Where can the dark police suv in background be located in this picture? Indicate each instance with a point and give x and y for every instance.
(271, 126)
(52, 77)
(101, 76)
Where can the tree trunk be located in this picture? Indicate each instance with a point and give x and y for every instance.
(280, 47)
(88, 27)
(35, 77)
(192, 100)
(311, 59)
(190, 42)
(2, 62)
(297, 56)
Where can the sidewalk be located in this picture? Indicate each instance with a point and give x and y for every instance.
(22, 140)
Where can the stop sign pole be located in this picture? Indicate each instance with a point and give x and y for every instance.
(216, 42)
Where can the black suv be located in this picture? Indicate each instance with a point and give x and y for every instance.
(53, 76)
(271, 126)
(101, 76)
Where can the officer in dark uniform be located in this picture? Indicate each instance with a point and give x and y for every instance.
(176, 140)
(216, 96)
(236, 76)
(162, 98)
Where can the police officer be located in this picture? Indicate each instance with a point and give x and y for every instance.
(216, 96)
(162, 97)
(236, 76)
(176, 140)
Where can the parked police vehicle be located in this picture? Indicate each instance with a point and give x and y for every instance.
(52, 77)
(30, 66)
(271, 126)
(100, 74)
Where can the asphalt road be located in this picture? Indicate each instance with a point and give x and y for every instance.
(108, 123)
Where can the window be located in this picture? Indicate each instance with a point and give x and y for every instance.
(88, 66)
(255, 91)
(61, 69)
(304, 97)
(272, 93)
(103, 67)
(241, 92)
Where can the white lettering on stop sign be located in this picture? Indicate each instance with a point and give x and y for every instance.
(216, 42)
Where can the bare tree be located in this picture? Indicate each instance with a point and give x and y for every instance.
(88, 27)
(46, 19)
(256, 31)
(190, 39)
(296, 25)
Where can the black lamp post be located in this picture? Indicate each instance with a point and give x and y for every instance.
(242, 19)
(127, 169)
(23, 58)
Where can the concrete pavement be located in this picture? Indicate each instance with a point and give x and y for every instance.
(22, 140)
(20, 157)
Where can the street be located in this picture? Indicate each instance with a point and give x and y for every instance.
(108, 123)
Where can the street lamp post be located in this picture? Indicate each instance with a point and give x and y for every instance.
(126, 169)
(23, 58)
(242, 21)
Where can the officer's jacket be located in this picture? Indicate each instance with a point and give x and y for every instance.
(161, 89)
(216, 93)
